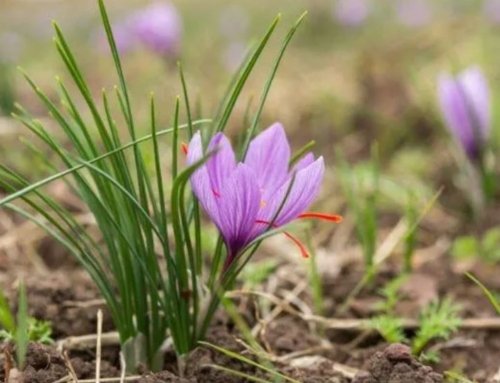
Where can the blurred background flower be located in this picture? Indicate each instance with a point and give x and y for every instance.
(159, 28)
(465, 104)
(351, 13)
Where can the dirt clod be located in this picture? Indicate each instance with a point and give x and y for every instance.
(43, 364)
(396, 365)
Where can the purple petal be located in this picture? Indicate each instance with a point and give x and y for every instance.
(304, 162)
(456, 115)
(238, 205)
(268, 155)
(304, 191)
(200, 181)
(222, 164)
(475, 87)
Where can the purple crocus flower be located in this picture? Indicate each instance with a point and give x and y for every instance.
(159, 28)
(243, 198)
(465, 104)
(351, 13)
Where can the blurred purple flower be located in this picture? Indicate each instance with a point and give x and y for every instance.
(124, 37)
(465, 104)
(491, 10)
(159, 28)
(414, 13)
(351, 13)
(242, 199)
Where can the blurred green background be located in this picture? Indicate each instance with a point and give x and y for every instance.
(354, 74)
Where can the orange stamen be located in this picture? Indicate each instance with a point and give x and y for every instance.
(296, 241)
(327, 217)
(184, 148)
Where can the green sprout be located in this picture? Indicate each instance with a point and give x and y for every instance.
(438, 320)
(22, 329)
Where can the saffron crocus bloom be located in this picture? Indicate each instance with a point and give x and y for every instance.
(159, 28)
(243, 199)
(465, 104)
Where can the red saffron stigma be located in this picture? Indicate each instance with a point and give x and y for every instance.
(296, 241)
(327, 217)
(300, 245)
(184, 148)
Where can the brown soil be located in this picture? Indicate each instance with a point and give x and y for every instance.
(70, 301)
(44, 364)
(396, 365)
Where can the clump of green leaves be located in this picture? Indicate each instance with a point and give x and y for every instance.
(21, 328)
(387, 324)
(39, 331)
(148, 262)
(438, 320)
(389, 327)
(487, 247)
(390, 294)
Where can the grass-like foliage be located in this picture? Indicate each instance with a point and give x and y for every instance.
(495, 302)
(361, 186)
(20, 328)
(147, 260)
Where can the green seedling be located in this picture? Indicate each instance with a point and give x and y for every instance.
(22, 329)
(438, 320)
